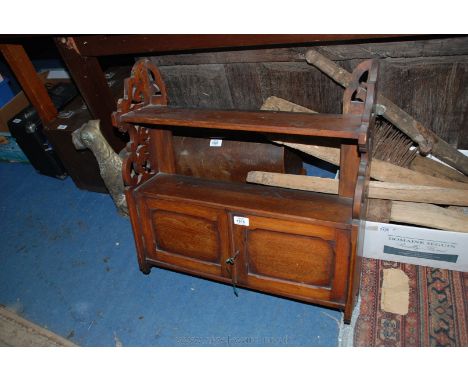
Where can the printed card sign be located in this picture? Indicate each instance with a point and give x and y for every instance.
(414, 245)
(240, 220)
(216, 142)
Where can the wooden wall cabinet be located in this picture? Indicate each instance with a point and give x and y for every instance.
(297, 244)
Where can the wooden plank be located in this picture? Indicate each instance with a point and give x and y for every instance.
(232, 57)
(428, 215)
(431, 167)
(244, 86)
(327, 154)
(441, 98)
(198, 86)
(379, 210)
(449, 48)
(279, 104)
(105, 45)
(422, 194)
(29, 80)
(377, 190)
(453, 46)
(325, 125)
(401, 119)
(389, 172)
(423, 214)
(295, 182)
(301, 84)
(380, 170)
(89, 78)
(433, 93)
(432, 97)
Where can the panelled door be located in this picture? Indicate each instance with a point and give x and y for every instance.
(186, 235)
(289, 258)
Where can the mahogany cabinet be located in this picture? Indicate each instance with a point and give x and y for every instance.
(298, 244)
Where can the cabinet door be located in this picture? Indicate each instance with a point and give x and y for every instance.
(294, 259)
(185, 235)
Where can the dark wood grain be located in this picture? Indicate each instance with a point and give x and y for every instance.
(185, 234)
(231, 57)
(289, 257)
(355, 268)
(233, 160)
(92, 84)
(137, 219)
(276, 253)
(300, 205)
(302, 84)
(433, 93)
(298, 261)
(417, 75)
(418, 52)
(102, 45)
(447, 47)
(202, 86)
(434, 47)
(244, 86)
(163, 150)
(196, 237)
(319, 125)
(349, 164)
(29, 80)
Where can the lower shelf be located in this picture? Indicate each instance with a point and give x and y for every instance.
(330, 210)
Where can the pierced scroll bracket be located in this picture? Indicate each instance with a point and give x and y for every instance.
(143, 88)
(359, 98)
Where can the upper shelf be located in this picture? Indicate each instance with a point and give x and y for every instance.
(320, 125)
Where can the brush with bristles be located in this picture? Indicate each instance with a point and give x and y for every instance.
(391, 145)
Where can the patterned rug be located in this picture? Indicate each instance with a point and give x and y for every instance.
(438, 308)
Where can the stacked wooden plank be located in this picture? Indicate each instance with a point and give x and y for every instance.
(425, 193)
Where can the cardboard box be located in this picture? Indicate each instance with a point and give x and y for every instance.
(9, 149)
(9, 110)
(414, 245)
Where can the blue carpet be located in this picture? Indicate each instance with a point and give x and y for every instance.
(67, 262)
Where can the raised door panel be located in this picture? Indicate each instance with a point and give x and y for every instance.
(284, 256)
(185, 235)
(295, 259)
(190, 236)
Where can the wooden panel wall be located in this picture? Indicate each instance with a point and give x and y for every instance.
(427, 78)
